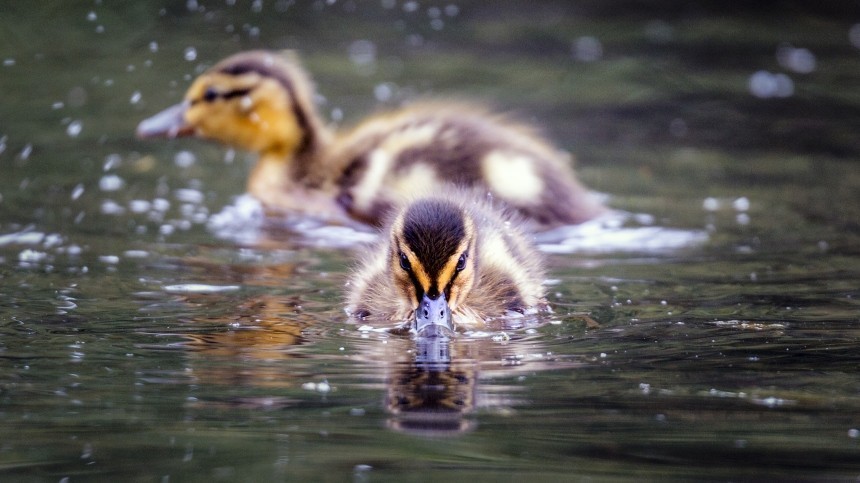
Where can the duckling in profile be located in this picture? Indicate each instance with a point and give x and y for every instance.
(263, 102)
(451, 260)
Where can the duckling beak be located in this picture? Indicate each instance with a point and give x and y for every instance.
(433, 317)
(167, 123)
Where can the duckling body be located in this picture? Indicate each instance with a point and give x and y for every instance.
(451, 251)
(263, 102)
(414, 150)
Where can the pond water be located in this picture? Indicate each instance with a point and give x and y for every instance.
(152, 330)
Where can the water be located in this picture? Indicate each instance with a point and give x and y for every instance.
(153, 327)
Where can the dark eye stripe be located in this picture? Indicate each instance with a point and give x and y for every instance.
(419, 290)
(236, 93)
(211, 95)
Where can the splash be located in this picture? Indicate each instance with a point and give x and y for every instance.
(613, 233)
(245, 222)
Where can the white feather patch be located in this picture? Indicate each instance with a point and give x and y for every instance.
(512, 177)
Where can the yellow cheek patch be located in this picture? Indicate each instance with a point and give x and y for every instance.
(249, 110)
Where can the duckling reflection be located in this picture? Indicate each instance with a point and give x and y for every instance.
(432, 396)
(263, 102)
(238, 339)
(253, 346)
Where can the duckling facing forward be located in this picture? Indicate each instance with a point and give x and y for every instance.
(263, 102)
(450, 260)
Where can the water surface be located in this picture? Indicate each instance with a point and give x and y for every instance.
(152, 330)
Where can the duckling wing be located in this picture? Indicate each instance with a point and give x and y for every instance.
(417, 151)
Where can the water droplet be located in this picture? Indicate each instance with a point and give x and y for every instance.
(190, 54)
(160, 204)
(135, 254)
(92, 17)
(187, 195)
(74, 129)
(711, 204)
(384, 92)
(26, 152)
(587, 49)
(799, 60)
(77, 191)
(362, 52)
(199, 288)
(139, 206)
(9, 62)
(184, 159)
(135, 97)
(153, 46)
(111, 182)
(764, 84)
(109, 259)
(28, 256)
(111, 161)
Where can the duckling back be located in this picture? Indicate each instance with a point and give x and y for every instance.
(416, 150)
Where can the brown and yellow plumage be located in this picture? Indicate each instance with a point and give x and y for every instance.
(263, 102)
(453, 247)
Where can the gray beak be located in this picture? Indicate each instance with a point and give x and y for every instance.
(433, 317)
(167, 123)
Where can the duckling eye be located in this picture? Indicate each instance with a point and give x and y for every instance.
(404, 262)
(461, 263)
(210, 95)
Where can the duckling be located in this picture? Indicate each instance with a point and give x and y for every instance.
(263, 102)
(452, 260)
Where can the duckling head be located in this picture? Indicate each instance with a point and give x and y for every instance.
(258, 101)
(432, 259)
